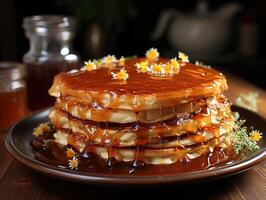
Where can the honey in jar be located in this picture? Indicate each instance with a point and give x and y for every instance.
(50, 53)
(12, 94)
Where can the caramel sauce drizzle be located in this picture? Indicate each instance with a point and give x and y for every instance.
(92, 86)
(159, 129)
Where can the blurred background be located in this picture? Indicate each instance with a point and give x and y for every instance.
(132, 26)
(229, 35)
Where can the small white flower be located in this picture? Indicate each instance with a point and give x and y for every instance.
(142, 67)
(73, 163)
(89, 66)
(183, 57)
(42, 127)
(121, 75)
(121, 61)
(152, 54)
(110, 59)
(157, 69)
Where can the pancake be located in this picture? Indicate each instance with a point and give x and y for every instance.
(122, 116)
(141, 90)
(151, 156)
(207, 133)
(151, 136)
(173, 110)
(99, 114)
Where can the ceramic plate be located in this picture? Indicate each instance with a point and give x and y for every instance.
(20, 136)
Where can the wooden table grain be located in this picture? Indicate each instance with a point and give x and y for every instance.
(19, 182)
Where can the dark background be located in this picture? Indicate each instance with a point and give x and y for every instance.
(127, 26)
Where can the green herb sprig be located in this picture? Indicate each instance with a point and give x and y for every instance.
(242, 138)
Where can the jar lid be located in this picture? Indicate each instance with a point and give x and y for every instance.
(44, 24)
(11, 70)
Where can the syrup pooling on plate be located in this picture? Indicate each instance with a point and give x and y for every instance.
(89, 163)
(140, 115)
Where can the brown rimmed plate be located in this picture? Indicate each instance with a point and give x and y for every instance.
(20, 136)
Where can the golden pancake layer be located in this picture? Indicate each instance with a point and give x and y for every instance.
(141, 91)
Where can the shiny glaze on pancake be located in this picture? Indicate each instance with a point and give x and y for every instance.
(193, 124)
(90, 86)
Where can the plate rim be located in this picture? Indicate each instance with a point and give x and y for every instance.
(97, 178)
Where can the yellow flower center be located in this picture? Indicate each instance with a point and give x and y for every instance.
(157, 68)
(152, 54)
(168, 68)
(121, 62)
(73, 164)
(143, 66)
(255, 136)
(90, 66)
(43, 127)
(121, 75)
(174, 63)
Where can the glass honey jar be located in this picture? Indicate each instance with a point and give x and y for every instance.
(50, 53)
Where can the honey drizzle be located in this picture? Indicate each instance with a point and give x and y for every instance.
(140, 130)
(161, 128)
(93, 85)
(137, 161)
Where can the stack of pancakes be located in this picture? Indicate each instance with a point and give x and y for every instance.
(150, 119)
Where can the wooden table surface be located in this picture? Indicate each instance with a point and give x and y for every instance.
(19, 182)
